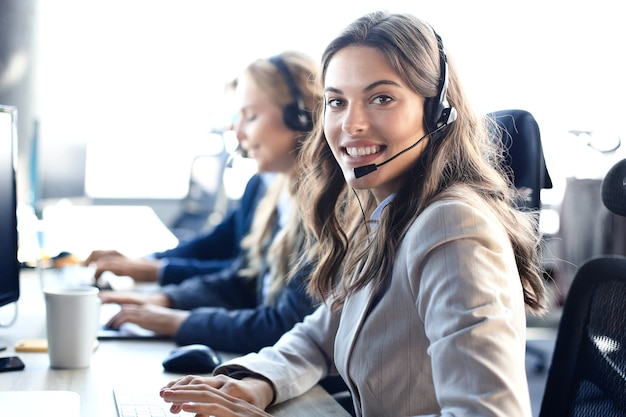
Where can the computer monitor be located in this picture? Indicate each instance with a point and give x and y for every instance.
(9, 265)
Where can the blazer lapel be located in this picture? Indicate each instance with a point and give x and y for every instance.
(353, 315)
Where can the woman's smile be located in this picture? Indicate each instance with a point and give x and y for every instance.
(355, 151)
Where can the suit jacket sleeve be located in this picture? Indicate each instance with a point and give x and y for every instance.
(246, 329)
(215, 250)
(226, 289)
(299, 360)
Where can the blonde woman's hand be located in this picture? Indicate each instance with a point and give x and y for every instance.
(161, 320)
(96, 255)
(140, 269)
(133, 297)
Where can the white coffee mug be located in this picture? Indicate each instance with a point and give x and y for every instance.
(72, 321)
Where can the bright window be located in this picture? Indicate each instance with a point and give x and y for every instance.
(141, 81)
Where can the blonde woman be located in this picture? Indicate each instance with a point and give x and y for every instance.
(252, 303)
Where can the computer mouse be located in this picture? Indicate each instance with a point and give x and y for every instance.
(192, 359)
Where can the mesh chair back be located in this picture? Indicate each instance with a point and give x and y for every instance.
(614, 188)
(587, 376)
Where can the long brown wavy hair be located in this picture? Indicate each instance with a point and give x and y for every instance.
(464, 156)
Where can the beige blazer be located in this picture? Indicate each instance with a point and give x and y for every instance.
(446, 339)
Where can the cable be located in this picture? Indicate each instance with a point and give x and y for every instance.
(365, 222)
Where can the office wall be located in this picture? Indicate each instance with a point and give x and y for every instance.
(17, 77)
(109, 69)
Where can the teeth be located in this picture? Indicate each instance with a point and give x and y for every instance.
(363, 151)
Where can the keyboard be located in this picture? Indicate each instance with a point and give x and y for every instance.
(143, 404)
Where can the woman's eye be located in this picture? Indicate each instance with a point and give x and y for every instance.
(382, 99)
(334, 102)
(245, 117)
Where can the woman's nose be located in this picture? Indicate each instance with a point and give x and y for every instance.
(239, 132)
(355, 120)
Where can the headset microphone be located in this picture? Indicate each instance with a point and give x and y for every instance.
(367, 169)
(364, 170)
(239, 152)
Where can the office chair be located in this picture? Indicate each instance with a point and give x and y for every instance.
(587, 376)
(614, 189)
(522, 140)
(527, 169)
(205, 186)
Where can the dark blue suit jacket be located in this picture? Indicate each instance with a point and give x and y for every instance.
(238, 319)
(217, 249)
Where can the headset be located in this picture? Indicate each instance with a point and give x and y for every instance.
(295, 114)
(437, 111)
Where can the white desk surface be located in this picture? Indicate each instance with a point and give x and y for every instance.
(114, 363)
(135, 231)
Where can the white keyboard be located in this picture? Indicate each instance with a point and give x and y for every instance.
(142, 404)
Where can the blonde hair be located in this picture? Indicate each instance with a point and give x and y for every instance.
(280, 252)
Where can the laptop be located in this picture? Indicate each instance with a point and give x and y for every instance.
(40, 403)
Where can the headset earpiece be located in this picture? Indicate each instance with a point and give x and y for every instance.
(437, 111)
(295, 114)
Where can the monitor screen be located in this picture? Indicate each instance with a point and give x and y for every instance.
(9, 265)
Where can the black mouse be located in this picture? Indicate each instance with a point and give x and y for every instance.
(192, 359)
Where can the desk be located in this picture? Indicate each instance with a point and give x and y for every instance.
(114, 363)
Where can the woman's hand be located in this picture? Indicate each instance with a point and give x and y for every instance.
(132, 297)
(140, 269)
(219, 396)
(161, 320)
(96, 255)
